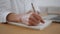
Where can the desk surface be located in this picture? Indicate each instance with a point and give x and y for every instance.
(11, 29)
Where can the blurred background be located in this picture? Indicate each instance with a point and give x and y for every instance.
(49, 7)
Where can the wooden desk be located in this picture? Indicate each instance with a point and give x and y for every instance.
(11, 29)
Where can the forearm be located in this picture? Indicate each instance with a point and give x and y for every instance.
(12, 17)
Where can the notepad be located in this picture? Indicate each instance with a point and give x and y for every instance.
(39, 26)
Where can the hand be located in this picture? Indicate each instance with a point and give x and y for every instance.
(32, 19)
(35, 19)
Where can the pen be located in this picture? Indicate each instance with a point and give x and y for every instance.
(33, 7)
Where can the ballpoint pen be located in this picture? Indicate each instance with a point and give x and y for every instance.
(33, 7)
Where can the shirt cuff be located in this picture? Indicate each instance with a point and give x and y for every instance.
(4, 15)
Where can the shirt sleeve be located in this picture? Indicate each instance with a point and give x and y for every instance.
(3, 15)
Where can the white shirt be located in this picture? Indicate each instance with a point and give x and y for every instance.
(16, 6)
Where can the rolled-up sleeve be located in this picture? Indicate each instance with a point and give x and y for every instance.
(3, 15)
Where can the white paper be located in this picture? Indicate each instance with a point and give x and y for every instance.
(39, 26)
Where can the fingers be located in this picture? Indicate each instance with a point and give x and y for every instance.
(33, 19)
(32, 23)
(42, 21)
(38, 17)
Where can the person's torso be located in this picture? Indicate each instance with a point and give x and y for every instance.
(17, 6)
